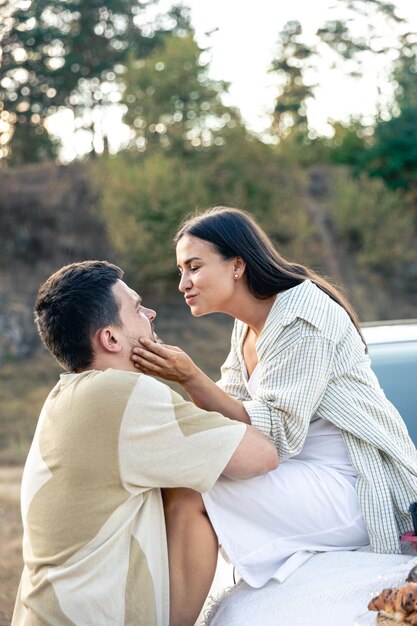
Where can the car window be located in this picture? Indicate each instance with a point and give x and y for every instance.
(395, 365)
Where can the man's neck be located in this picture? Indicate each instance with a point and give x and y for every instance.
(104, 363)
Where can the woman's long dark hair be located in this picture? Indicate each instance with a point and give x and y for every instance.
(235, 233)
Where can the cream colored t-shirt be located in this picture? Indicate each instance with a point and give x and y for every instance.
(94, 541)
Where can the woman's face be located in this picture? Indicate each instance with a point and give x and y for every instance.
(208, 281)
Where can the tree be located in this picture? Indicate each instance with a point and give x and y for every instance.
(143, 201)
(59, 53)
(345, 42)
(355, 32)
(375, 225)
(345, 146)
(144, 197)
(171, 102)
(392, 155)
(293, 58)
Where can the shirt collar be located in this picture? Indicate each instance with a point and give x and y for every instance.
(305, 301)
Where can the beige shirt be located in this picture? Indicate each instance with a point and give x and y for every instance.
(94, 542)
(313, 365)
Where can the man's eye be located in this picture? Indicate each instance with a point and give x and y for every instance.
(194, 269)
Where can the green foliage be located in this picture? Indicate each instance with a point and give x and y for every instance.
(376, 226)
(346, 146)
(346, 41)
(353, 33)
(405, 75)
(31, 144)
(292, 60)
(252, 176)
(389, 150)
(58, 54)
(171, 102)
(393, 153)
(145, 198)
(143, 202)
(336, 34)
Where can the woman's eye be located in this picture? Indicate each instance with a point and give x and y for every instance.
(190, 269)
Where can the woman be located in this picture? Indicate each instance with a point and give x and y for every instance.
(298, 370)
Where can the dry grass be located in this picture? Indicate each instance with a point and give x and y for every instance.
(10, 540)
(25, 384)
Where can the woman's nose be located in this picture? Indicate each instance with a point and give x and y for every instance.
(184, 283)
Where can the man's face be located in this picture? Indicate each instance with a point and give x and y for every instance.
(136, 319)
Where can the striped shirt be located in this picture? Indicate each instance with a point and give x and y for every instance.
(313, 365)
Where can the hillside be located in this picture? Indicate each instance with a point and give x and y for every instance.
(50, 216)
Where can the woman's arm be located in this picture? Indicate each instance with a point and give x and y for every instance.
(292, 384)
(172, 363)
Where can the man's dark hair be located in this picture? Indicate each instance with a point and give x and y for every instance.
(72, 305)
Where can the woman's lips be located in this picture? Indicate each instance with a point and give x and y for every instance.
(189, 297)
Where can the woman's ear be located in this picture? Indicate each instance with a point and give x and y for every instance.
(239, 266)
(108, 340)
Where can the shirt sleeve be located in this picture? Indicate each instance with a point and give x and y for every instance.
(291, 387)
(168, 442)
(231, 380)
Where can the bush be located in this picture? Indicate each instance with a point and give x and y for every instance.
(375, 224)
(145, 198)
(143, 201)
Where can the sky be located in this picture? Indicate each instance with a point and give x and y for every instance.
(241, 47)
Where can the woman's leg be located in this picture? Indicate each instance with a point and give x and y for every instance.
(192, 553)
(269, 525)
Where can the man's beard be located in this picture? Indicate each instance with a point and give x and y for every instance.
(155, 336)
(134, 339)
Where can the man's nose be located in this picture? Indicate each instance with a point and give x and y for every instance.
(150, 314)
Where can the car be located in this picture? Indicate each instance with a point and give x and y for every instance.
(392, 348)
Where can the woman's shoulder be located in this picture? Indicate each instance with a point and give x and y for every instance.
(312, 310)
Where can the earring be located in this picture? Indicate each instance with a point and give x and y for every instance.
(236, 275)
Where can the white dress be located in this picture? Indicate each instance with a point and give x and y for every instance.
(269, 525)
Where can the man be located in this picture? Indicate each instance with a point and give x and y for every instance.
(108, 438)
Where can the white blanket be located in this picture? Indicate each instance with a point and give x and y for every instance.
(330, 589)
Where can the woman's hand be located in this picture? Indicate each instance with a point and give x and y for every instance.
(168, 362)
(172, 363)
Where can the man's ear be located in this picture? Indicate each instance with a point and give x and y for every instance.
(107, 340)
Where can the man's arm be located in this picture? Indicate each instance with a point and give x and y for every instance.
(255, 455)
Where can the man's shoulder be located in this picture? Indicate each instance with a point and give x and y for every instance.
(116, 378)
(107, 383)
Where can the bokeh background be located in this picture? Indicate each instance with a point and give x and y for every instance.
(119, 118)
